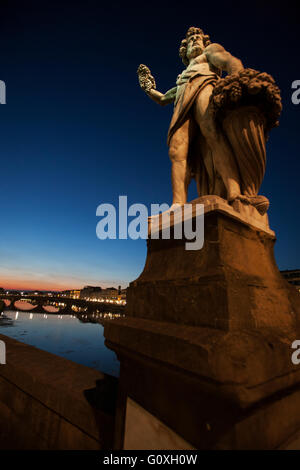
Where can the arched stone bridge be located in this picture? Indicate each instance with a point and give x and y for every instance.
(38, 303)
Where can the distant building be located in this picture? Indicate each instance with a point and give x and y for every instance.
(122, 295)
(71, 294)
(75, 294)
(293, 277)
(64, 293)
(90, 292)
(51, 293)
(97, 293)
(111, 294)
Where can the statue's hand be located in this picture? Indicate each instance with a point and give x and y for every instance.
(146, 80)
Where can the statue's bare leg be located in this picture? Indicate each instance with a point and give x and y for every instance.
(223, 158)
(178, 152)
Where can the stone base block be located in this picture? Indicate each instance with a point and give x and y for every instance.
(232, 282)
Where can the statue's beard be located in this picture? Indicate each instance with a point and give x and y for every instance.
(196, 50)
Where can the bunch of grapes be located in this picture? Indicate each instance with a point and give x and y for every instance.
(248, 87)
(146, 80)
(235, 92)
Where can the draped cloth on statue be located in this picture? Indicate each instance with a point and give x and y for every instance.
(187, 97)
(200, 157)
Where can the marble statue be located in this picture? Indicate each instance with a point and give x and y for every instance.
(219, 126)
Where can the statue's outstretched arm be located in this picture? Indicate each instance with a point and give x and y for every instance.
(147, 83)
(220, 58)
(161, 98)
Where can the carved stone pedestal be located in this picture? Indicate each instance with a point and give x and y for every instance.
(205, 348)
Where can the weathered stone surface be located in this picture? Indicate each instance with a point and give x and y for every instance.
(48, 402)
(231, 283)
(204, 417)
(237, 210)
(243, 366)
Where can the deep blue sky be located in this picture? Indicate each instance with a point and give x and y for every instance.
(77, 130)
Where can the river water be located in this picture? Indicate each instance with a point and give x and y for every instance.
(64, 335)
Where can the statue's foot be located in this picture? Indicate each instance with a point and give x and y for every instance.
(233, 195)
(243, 198)
(261, 203)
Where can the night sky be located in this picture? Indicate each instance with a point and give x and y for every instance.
(77, 130)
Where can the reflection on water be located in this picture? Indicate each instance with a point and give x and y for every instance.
(64, 335)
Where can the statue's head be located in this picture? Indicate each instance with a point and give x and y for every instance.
(193, 44)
